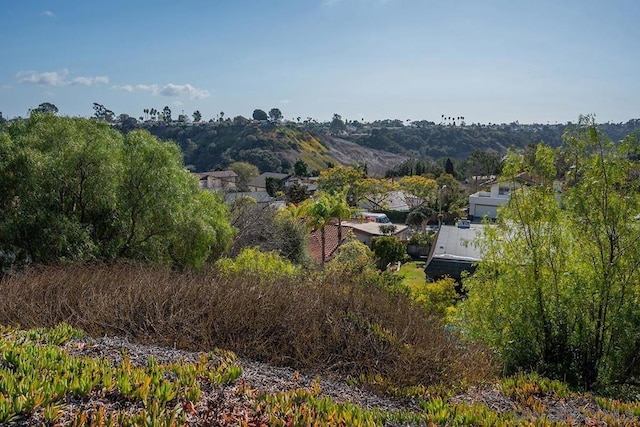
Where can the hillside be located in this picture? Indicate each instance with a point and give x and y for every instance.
(381, 145)
(347, 152)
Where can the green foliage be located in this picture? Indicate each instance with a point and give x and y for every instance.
(352, 258)
(300, 168)
(73, 189)
(275, 115)
(35, 373)
(259, 114)
(422, 239)
(555, 291)
(252, 262)
(388, 249)
(45, 108)
(246, 172)
(436, 297)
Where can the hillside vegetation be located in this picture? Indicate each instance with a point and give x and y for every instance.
(275, 147)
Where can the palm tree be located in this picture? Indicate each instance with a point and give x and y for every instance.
(339, 208)
(319, 215)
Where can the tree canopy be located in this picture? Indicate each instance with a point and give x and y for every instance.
(259, 114)
(74, 189)
(558, 286)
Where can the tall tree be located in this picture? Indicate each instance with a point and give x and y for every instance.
(197, 116)
(572, 314)
(300, 168)
(337, 124)
(75, 189)
(166, 114)
(246, 172)
(46, 108)
(318, 216)
(102, 113)
(448, 167)
(259, 114)
(275, 115)
(419, 191)
(342, 178)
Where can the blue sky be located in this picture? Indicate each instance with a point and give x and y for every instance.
(489, 61)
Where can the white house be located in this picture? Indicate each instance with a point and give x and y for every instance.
(485, 203)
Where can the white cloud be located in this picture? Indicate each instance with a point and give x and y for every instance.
(186, 89)
(55, 78)
(51, 78)
(170, 89)
(285, 101)
(48, 13)
(177, 104)
(89, 81)
(5, 87)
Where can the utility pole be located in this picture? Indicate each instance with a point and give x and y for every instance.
(440, 205)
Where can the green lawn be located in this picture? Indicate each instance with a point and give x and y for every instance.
(413, 274)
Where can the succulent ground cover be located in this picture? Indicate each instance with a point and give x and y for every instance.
(59, 376)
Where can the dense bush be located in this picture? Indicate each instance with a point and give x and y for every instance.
(74, 189)
(558, 286)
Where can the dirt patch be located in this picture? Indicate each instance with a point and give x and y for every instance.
(347, 153)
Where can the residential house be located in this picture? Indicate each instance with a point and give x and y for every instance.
(453, 251)
(262, 198)
(331, 242)
(366, 231)
(394, 201)
(311, 182)
(259, 183)
(485, 203)
(218, 180)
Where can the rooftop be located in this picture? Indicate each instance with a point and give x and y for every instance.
(456, 243)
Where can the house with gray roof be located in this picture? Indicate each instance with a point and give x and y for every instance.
(454, 251)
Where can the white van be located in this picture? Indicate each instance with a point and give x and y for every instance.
(375, 217)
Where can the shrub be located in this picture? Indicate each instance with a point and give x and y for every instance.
(352, 325)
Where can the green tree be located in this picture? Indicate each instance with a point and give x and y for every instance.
(297, 193)
(197, 116)
(419, 191)
(448, 167)
(342, 178)
(377, 191)
(46, 108)
(388, 249)
(300, 168)
(259, 114)
(166, 114)
(273, 186)
(102, 113)
(275, 115)
(246, 172)
(337, 124)
(557, 287)
(74, 189)
(318, 216)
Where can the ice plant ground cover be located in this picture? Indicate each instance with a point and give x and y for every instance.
(59, 376)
